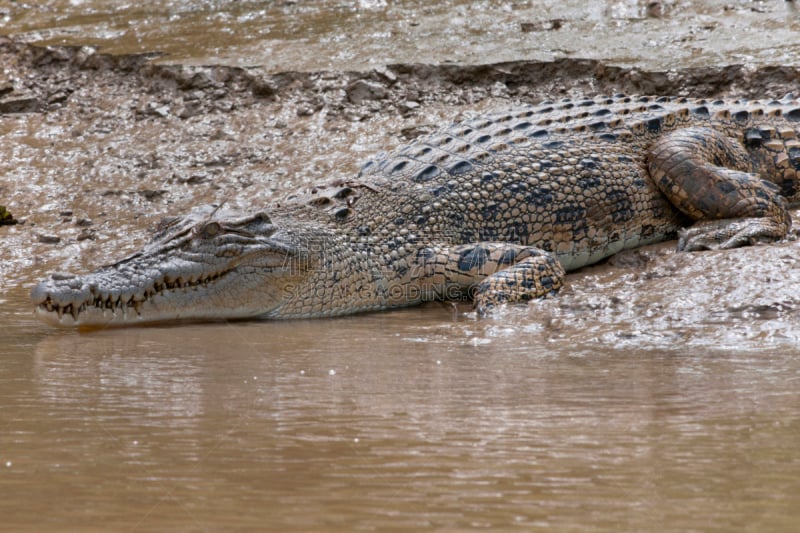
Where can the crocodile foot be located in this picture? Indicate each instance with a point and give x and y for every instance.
(536, 276)
(730, 233)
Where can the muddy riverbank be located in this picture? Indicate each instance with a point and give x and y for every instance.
(100, 147)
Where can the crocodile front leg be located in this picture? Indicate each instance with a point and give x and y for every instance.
(536, 276)
(710, 177)
(494, 272)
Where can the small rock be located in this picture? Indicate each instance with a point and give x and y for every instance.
(352, 116)
(58, 97)
(20, 104)
(308, 108)
(190, 109)
(151, 194)
(83, 222)
(390, 76)
(361, 90)
(84, 55)
(224, 106)
(546, 25)
(196, 80)
(305, 111)
(654, 10)
(409, 106)
(87, 234)
(262, 88)
(154, 110)
(65, 213)
(49, 239)
(196, 179)
(193, 95)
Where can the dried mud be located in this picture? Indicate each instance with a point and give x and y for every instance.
(97, 148)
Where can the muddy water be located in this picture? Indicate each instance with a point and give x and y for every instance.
(659, 391)
(405, 420)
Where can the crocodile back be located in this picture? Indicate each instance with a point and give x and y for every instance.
(569, 177)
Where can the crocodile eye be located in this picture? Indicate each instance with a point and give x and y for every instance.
(211, 229)
(262, 218)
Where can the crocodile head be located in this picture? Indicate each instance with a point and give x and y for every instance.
(211, 264)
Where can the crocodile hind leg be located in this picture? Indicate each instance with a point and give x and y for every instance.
(710, 177)
(497, 273)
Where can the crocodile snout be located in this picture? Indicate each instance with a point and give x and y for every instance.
(58, 285)
(63, 294)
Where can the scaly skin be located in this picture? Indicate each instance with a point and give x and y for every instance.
(495, 208)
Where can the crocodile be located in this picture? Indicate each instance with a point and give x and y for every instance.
(495, 208)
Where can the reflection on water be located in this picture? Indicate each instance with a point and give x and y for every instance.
(402, 420)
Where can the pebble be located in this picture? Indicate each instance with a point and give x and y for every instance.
(362, 90)
(23, 103)
(49, 239)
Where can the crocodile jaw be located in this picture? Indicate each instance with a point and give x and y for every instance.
(70, 301)
(212, 264)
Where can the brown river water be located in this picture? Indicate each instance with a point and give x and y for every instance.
(658, 392)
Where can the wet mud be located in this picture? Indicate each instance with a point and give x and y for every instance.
(333, 35)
